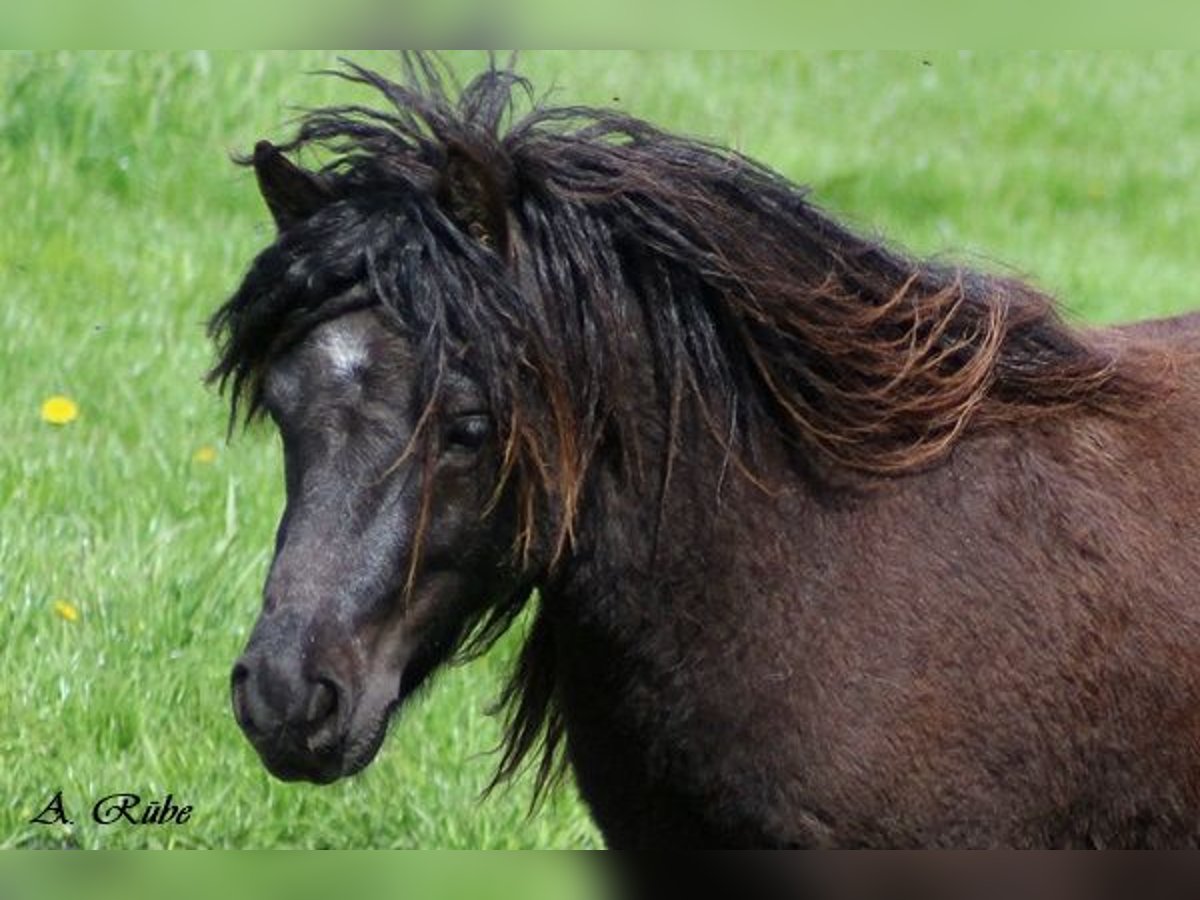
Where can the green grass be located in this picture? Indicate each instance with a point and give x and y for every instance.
(124, 225)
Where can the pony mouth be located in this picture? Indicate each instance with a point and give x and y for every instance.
(288, 762)
(297, 760)
(360, 752)
(324, 767)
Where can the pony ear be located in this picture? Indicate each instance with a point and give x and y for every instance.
(291, 193)
(474, 197)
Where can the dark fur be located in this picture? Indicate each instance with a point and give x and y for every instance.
(834, 546)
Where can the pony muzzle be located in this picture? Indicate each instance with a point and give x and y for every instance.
(297, 721)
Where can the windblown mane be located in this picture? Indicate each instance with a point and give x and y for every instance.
(527, 250)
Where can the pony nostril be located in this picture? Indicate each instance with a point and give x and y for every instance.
(239, 675)
(322, 703)
(321, 716)
(237, 690)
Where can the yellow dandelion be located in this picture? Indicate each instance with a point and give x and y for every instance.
(59, 410)
(66, 610)
(205, 455)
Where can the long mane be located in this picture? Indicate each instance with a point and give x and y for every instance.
(761, 313)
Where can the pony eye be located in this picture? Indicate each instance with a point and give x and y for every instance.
(468, 432)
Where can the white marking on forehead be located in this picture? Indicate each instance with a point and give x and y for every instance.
(345, 349)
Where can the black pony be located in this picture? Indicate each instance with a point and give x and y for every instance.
(831, 546)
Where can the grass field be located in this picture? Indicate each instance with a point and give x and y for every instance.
(123, 225)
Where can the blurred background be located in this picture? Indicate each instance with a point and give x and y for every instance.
(134, 538)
